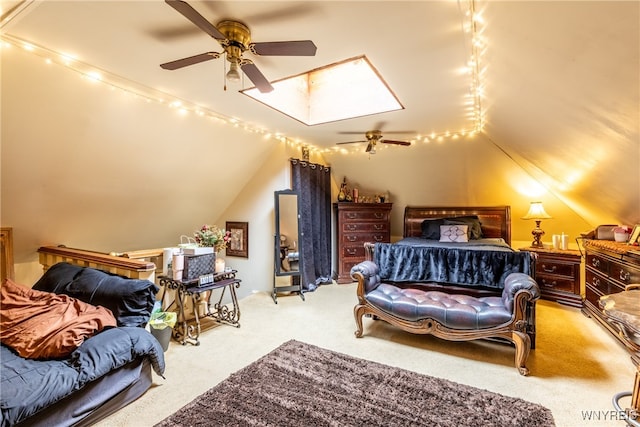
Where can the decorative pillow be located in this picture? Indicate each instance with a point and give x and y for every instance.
(43, 325)
(130, 300)
(454, 233)
(472, 221)
(431, 228)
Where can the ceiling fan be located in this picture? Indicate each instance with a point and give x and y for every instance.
(375, 136)
(235, 39)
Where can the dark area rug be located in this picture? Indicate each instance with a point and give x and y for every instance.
(299, 384)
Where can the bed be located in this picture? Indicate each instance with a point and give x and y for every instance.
(476, 265)
(86, 375)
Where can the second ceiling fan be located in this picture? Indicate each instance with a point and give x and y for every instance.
(375, 136)
(235, 39)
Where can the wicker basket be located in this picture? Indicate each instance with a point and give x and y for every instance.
(198, 265)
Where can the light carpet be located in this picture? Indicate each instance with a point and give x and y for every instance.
(301, 384)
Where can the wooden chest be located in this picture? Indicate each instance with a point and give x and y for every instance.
(356, 224)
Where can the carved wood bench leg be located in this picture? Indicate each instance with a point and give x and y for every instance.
(358, 312)
(523, 347)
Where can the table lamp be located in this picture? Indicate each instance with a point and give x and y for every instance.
(537, 213)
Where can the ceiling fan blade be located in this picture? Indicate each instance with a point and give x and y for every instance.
(256, 76)
(192, 15)
(390, 141)
(348, 142)
(369, 147)
(195, 59)
(290, 48)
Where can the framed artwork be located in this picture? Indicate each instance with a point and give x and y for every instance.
(635, 234)
(239, 239)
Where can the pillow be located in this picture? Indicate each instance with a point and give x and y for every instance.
(431, 228)
(43, 325)
(472, 221)
(130, 300)
(454, 233)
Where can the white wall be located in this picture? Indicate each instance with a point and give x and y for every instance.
(92, 167)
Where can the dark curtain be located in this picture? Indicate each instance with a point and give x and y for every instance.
(312, 182)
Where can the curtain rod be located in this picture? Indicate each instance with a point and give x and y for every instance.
(305, 163)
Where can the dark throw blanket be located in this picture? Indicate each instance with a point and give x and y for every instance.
(471, 266)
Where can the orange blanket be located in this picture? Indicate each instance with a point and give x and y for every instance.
(43, 325)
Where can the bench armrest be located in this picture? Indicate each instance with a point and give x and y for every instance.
(519, 282)
(366, 274)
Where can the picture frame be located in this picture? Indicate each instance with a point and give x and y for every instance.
(239, 242)
(635, 235)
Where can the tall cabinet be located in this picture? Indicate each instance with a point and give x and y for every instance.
(356, 224)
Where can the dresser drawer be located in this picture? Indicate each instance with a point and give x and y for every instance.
(555, 283)
(353, 251)
(345, 265)
(556, 268)
(600, 284)
(355, 238)
(366, 227)
(598, 263)
(363, 215)
(624, 274)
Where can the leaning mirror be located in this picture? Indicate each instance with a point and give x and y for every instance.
(287, 260)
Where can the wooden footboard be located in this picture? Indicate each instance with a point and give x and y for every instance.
(126, 267)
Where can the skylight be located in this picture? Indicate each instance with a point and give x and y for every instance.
(344, 90)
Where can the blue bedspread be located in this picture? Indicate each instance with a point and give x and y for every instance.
(27, 385)
(484, 262)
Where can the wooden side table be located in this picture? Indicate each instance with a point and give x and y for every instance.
(558, 275)
(186, 331)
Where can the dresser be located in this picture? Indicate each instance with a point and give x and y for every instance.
(356, 224)
(609, 267)
(558, 275)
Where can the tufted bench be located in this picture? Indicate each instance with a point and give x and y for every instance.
(450, 316)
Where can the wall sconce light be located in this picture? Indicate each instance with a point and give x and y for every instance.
(537, 213)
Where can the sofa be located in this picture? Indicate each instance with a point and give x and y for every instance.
(450, 316)
(74, 348)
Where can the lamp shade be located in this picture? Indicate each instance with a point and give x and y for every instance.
(536, 211)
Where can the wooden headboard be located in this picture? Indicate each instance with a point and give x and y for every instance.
(495, 220)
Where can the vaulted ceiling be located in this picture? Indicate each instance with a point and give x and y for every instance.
(556, 83)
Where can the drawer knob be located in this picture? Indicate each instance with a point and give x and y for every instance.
(352, 238)
(378, 226)
(595, 282)
(378, 238)
(595, 262)
(351, 251)
(551, 269)
(352, 215)
(351, 227)
(378, 215)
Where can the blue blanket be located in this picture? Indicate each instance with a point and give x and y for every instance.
(485, 262)
(27, 385)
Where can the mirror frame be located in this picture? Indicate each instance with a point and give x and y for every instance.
(277, 262)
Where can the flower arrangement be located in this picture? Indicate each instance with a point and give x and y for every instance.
(212, 236)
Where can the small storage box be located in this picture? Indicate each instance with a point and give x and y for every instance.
(198, 265)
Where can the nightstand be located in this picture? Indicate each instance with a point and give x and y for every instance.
(558, 275)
